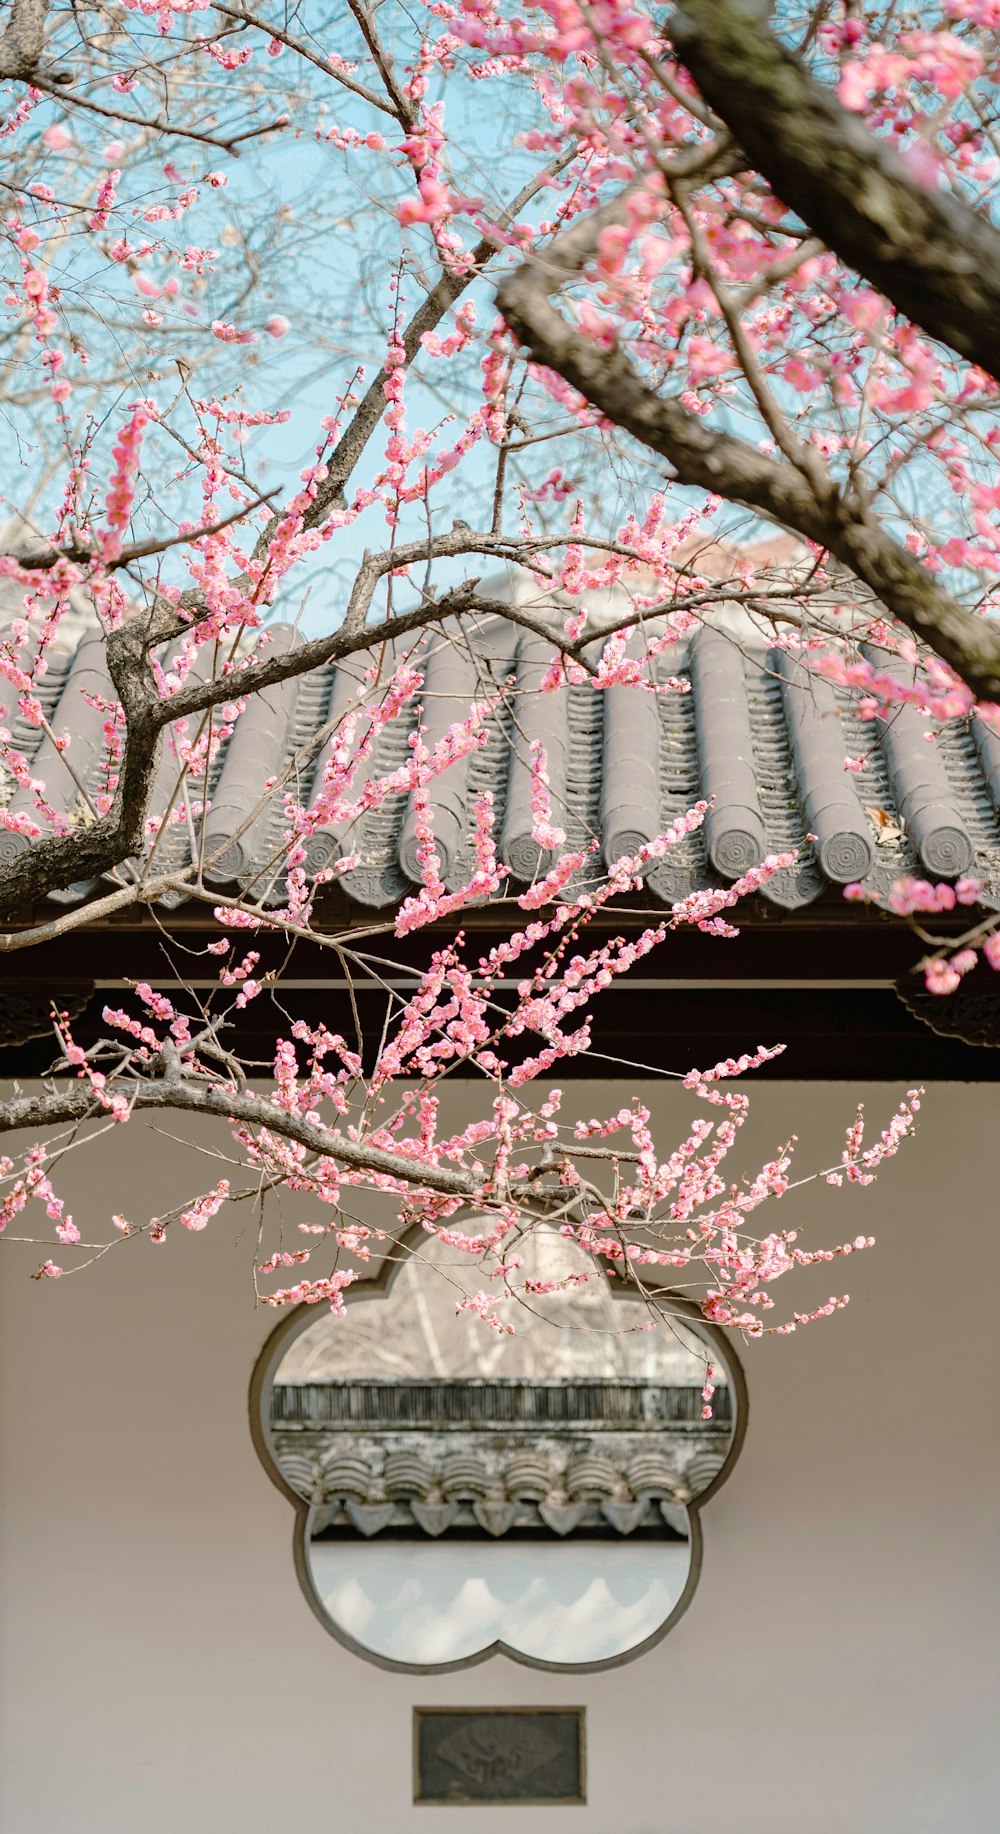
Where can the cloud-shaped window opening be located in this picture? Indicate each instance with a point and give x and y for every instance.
(460, 1491)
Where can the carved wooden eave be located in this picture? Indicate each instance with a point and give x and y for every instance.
(971, 1012)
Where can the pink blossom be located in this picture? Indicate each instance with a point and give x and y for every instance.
(47, 1271)
(991, 949)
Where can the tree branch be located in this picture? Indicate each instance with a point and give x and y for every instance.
(284, 37)
(733, 468)
(936, 259)
(95, 849)
(40, 560)
(23, 40)
(448, 289)
(79, 1103)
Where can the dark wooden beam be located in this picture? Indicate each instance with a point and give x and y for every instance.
(839, 1034)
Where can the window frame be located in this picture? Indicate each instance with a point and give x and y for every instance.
(369, 1289)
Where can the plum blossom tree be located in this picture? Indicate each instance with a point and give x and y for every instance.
(607, 278)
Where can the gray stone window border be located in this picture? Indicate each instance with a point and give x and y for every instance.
(371, 1290)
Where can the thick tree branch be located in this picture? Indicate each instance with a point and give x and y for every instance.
(936, 259)
(101, 845)
(79, 1103)
(23, 41)
(733, 468)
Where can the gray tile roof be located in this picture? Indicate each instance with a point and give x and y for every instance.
(564, 1457)
(765, 744)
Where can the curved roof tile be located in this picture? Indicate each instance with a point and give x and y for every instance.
(735, 825)
(630, 790)
(256, 752)
(925, 803)
(70, 776)
(451, 683)
(764, 742)
(830, 804)
(542, 719)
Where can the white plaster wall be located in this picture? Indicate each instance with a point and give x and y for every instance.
(836, 1674)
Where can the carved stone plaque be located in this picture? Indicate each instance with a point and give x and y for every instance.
(498, 1754)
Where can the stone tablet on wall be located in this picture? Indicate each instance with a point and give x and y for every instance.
(464, 1755)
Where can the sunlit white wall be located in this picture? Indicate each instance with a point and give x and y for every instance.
(161, 1670)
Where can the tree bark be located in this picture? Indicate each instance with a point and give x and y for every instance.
(927, 251)
(734, 468)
